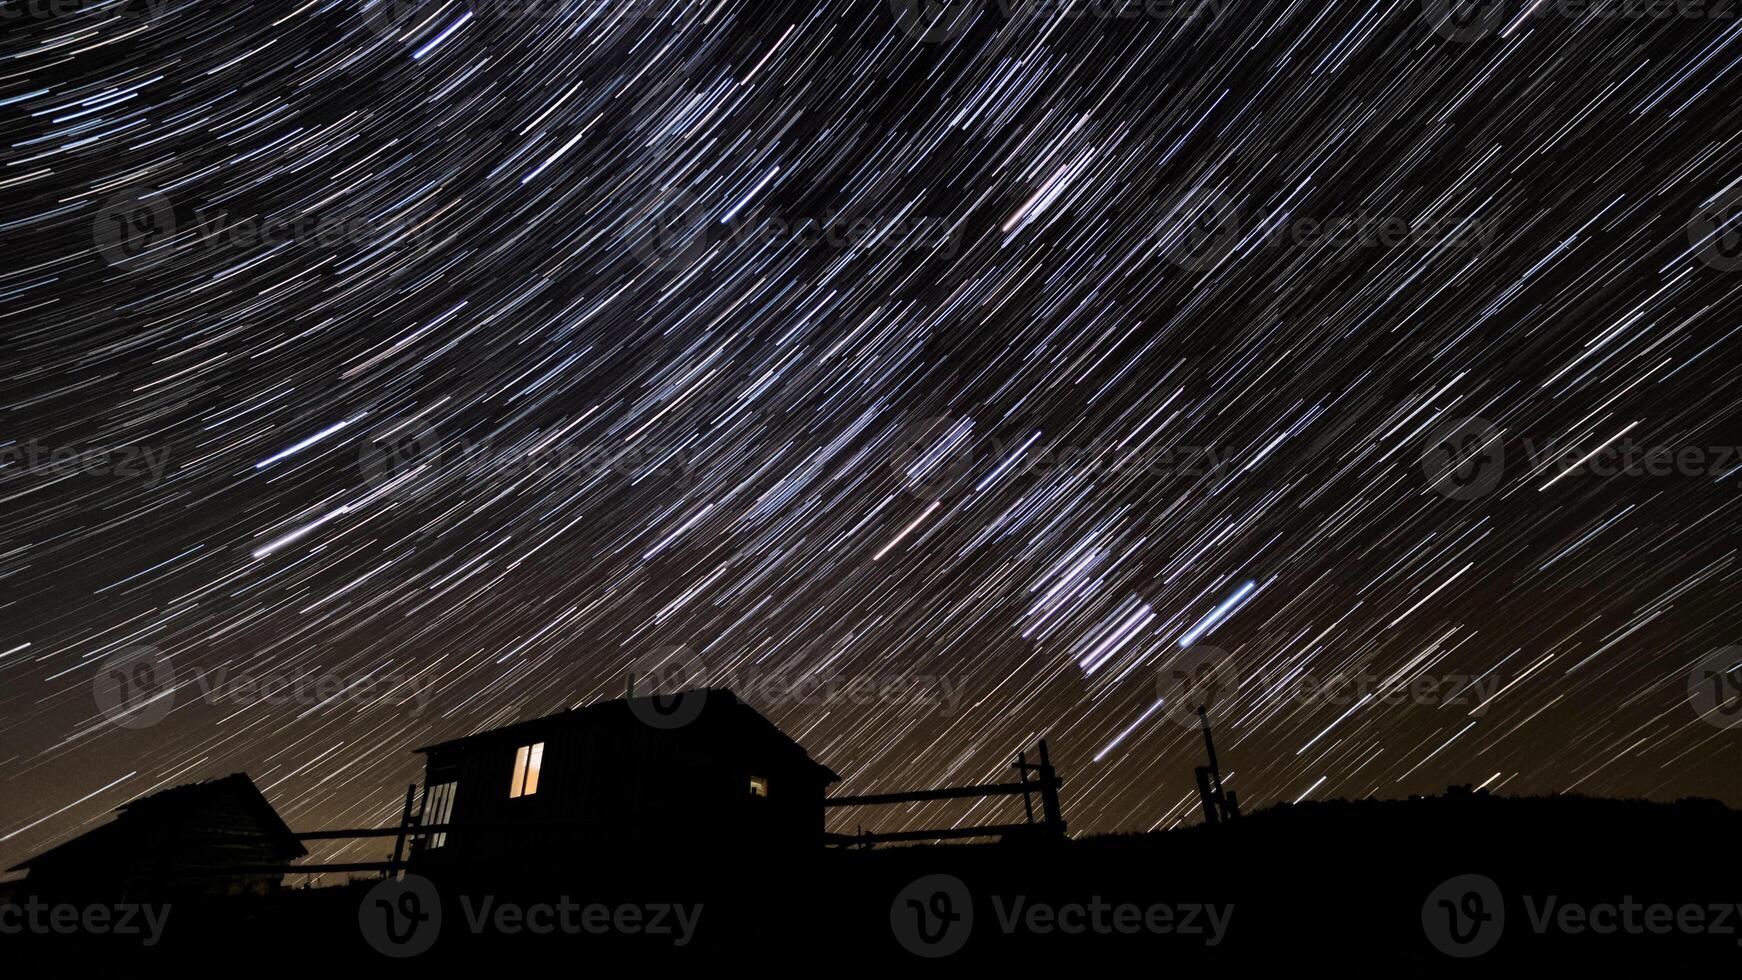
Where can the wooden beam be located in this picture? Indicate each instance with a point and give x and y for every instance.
(946, 793)
(953, 833)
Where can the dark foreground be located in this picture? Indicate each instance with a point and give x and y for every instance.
(1376, 886)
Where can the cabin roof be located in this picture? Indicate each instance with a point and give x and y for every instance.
(172, 807)
(719, 705)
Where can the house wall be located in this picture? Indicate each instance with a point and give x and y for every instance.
(607, 788)
(153, 856)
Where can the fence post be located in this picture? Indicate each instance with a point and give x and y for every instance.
(1049, 793)
(404, 825)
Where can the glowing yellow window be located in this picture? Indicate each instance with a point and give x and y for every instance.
(758, 786)
(528, 760)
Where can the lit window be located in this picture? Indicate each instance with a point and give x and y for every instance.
(758, 786)
(438, 808)
(527, 761)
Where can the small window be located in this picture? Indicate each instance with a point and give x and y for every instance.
(438, 809)
(758, 786)
(528, 759)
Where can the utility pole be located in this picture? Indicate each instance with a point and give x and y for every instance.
(1219, 806)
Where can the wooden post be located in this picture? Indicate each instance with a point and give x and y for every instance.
(1207, 795)
(1225, 804)
(1027, 801)
(1049, 793)
(1210, 750)
(404, 825)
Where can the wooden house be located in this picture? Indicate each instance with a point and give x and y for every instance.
(617, 778)
(192, 841)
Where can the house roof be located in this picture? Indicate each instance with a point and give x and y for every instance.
(718, 704)
(171, 807)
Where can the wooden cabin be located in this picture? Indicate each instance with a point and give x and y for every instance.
(182, 843)
(618, 778)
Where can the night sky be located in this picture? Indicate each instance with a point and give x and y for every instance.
(936, 385)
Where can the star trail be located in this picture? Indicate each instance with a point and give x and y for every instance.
(936, 376)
